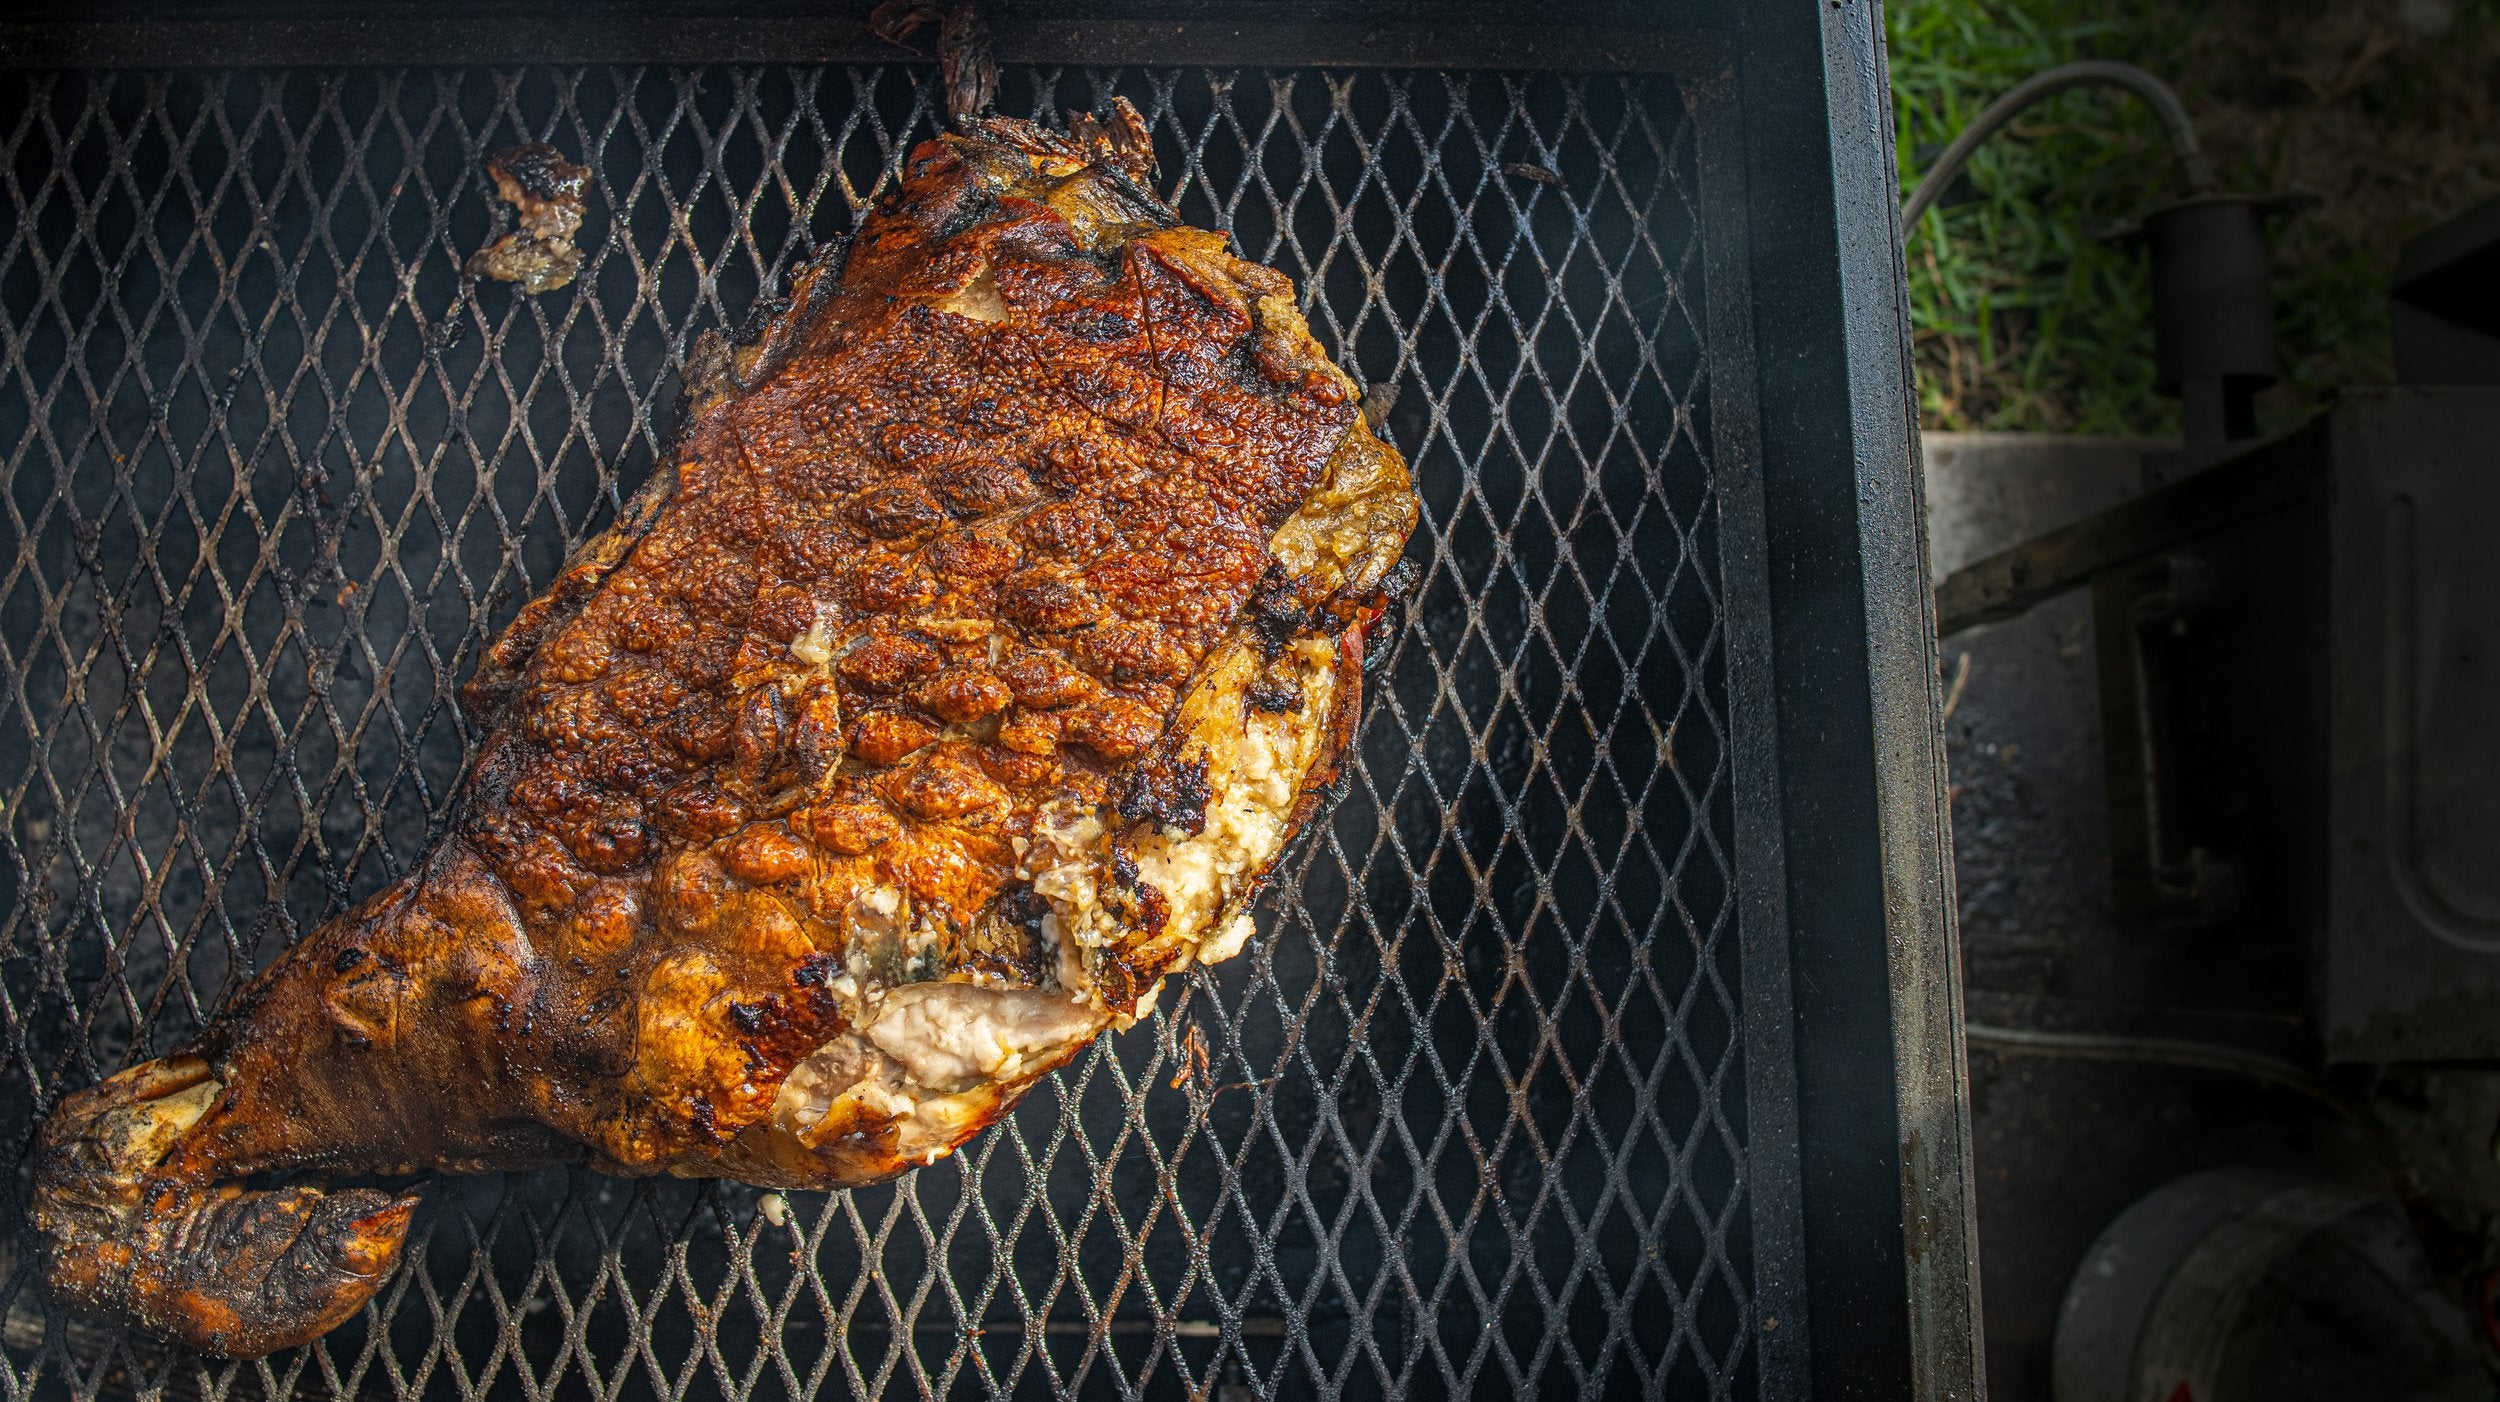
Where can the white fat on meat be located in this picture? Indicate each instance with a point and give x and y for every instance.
(1256, 763)
(950, 1036)
(930, 1058)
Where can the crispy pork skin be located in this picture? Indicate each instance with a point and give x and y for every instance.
(994, 619)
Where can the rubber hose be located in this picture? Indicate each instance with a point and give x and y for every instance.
(2156, 94)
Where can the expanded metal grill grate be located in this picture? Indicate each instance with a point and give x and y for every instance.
(1474, 1122)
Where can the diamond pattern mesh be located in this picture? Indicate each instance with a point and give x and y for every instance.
(1472, 1123)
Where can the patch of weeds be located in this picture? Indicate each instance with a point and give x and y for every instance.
(2024, 321)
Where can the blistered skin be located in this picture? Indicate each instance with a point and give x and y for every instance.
(994, 620)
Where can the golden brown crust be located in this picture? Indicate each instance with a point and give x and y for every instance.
(934, 564)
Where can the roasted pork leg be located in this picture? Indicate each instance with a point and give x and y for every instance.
(992, 621)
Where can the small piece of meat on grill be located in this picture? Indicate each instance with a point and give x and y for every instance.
(546, 191)
(994, 619)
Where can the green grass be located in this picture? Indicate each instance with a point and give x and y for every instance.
(2022, 321)
(2026, 322)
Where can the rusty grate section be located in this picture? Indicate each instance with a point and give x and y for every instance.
(1474, 1120)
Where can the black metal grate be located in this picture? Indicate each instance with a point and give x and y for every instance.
(1475, 1125)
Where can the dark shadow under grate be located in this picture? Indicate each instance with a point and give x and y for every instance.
(1475, 1122)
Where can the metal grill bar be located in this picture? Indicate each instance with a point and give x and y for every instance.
(1476, 1123)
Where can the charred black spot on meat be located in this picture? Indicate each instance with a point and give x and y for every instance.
(1109, 326)
(1027, 909)
(761, 313)
(1398, 585)
(1119, 983)
(540, 171)
(1388, 605)
(347, 959)
(1277, 613)
(749, 1018)
(1133, 900)
(1277, 694)
(814, 978)
(1169, 790)
(1011, 939)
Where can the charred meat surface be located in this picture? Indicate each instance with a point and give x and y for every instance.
(996, 616)
(546, 191)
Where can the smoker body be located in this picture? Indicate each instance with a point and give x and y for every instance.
(2294, 699)
(1606, 1038)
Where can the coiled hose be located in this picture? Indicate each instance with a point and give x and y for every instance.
(2193, 167)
